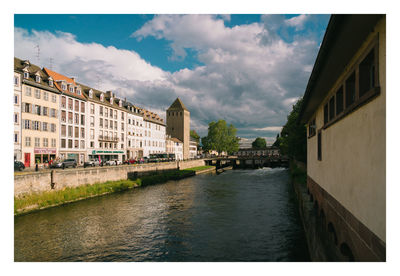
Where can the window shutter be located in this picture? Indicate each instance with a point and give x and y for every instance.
(33, 110)
(23, 107)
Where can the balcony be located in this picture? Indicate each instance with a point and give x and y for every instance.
(108, 138)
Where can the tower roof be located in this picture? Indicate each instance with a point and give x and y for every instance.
(177, 105)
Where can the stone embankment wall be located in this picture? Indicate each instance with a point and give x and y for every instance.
(59, 179)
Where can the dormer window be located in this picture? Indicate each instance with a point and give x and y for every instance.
(90, 93)
(120, 103)
(71, 89)
(78, 91)
(26, 75)
(51, 82)
(101, 97)
(63, 86)
(111, 100)
(37, 77)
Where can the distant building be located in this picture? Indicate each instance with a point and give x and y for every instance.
(245, 143)
(192, 148)
(174, 146)
(178, 124)
(345, 112)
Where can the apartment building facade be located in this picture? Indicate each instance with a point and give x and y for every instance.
(39, 115)
(107, 125)
(134, 135)
(345, 112)
(153, 133)
(174, 146)
(72, 117)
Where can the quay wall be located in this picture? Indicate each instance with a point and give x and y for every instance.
(58, 179)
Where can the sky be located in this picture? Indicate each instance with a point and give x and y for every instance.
(247, 69)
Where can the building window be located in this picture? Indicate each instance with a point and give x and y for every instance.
(63, 102)
(101, 110)
(71, 89)
(76, 132)
(15, 137)
(63, 116)
(16, 118)
(37, 78)
(76, 118)
(115, 125)
(44, 126)
(350, 90)
(70, 129)
(91, 93)
(28, 91)
(101, 97)
(92, 121)
(92, 144)
(111, 113)
(82, 133)
(53, 143)
(37, 142)
(16, 99)
(70, 104)
(27, 124)
(53, 113)
(76, 106)
(82, 144)
(37, 93)
(106, 112)
(45, 95)
(91, 133)
(111, 124)
(319, 153)
(63, 143)
(332, 108)
(36, 125)
(70, 143)
(16, 80)
(53, 127)
(27, 141)
(26, 75)
(106, 123)
(339, 101)
(91, 108)
(50, 82)
(63, 86)
(367, 73)
(63, 130)
(82, 119)
(78, 91)
(45, 111)
(45, 142)
(53, 98)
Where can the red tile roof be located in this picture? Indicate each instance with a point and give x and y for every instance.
(58, 77)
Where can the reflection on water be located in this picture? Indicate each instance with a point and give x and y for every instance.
(243, 215)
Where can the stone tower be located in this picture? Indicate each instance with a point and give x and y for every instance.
(178, 124)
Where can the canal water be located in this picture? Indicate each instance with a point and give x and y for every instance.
(239, 215)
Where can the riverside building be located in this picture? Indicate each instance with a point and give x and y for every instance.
(107, 125)
(72, 117)
(39, 99)
(135, 131)
(17, 110)
(344, 109)
(154, 133)
(178, 124)
(174, 146)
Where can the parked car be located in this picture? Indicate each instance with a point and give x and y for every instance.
(113, 162)
(130, 161)
(92, 163)
(18, 166)
(65, 164)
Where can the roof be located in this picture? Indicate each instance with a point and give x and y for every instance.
(176, 140)
(152, 117)
(343, 37)
(21, 66)
(57, 78)
(177, 105)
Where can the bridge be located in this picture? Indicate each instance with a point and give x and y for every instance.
(248, 162)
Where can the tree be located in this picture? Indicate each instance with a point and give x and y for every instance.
(221, 137)
(194, 135)
(259, 143)
(293, 142)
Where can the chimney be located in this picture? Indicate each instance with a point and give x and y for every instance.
(108, 94)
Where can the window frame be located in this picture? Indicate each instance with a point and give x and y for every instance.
(359, 100)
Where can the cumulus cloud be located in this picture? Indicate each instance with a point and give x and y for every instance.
(250, 75)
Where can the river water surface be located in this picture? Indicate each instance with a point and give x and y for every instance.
(240, 215)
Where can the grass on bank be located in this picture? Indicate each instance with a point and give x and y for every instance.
(36, 201)
(45, 199)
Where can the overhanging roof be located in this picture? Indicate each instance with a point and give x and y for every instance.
(343, 37)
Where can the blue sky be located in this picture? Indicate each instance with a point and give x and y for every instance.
(246, 69)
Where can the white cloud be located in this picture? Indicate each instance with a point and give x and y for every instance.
(297, 21)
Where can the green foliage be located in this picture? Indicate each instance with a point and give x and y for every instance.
(293, 141)
(194, 135)
(259, 143)
(221, 137)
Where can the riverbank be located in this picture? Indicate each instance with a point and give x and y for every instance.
(42, 200)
